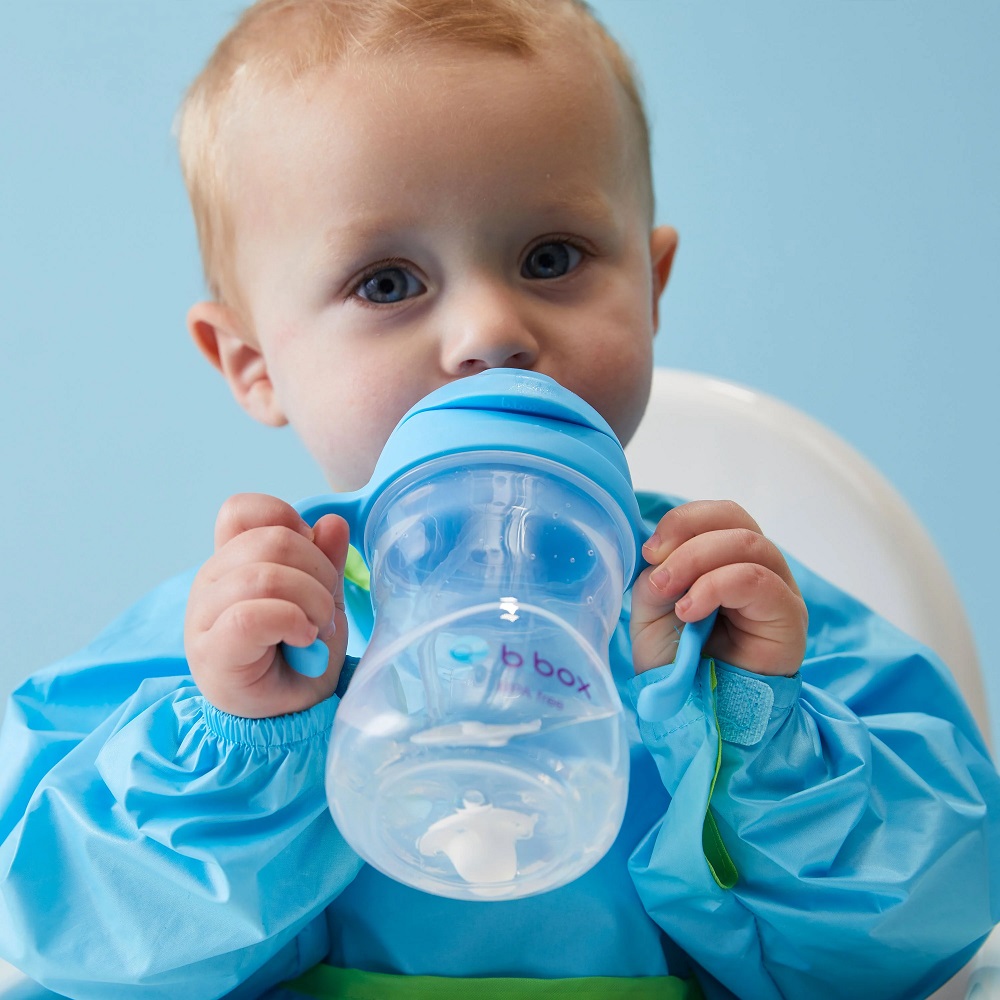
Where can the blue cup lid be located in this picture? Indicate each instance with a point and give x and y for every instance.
(499, 410)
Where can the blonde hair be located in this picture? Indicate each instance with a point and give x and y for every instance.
(277, 42)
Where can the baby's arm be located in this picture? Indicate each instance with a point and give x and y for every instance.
(150, 840)
(272, 579)
(857, 802)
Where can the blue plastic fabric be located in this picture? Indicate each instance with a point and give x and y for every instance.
(149, 840)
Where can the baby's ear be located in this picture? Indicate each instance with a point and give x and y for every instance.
(662, 247)
(223, 338)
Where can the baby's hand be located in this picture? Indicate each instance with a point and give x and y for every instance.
(710, 554)
(272, 579)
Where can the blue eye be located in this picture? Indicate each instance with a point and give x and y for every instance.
(551, 260)
(388, 285)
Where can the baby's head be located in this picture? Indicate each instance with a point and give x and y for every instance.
(391, 194)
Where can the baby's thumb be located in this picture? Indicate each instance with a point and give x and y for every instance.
(332, 535)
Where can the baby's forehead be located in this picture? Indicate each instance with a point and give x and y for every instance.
(570, 67)
(572, 56)
(479, 87)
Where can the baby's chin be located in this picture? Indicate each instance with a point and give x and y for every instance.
(338, 484)
(348, 480)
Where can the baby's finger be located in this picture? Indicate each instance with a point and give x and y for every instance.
(245, 634)
(749, 594)
(263, 581)
(712, 550)
(689, 520)
(755, 591)
(654, 640)
(762, 625)
(273, 544)
(332, 537)
(245, 511)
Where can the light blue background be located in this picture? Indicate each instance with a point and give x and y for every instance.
(832, 167)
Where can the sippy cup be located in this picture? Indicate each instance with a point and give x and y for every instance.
(479, 752)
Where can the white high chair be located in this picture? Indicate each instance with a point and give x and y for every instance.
(808, 490)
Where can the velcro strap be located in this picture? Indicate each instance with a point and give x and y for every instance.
(743, 707)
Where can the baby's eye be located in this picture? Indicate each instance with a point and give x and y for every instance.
(551, 260)
(388, 285)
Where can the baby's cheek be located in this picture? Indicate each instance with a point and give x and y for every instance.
(622, 396)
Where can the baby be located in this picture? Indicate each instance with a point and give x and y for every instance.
(390, 195)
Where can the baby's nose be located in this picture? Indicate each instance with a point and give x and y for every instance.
(489, 332)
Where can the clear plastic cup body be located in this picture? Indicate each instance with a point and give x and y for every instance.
(480, 750)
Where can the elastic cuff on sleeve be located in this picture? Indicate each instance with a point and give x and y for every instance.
(279, 731)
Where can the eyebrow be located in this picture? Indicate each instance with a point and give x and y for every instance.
(593, 208)
(359, 229)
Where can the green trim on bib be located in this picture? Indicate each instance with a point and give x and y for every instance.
(327, 982)
(355, 569)
(719, 862)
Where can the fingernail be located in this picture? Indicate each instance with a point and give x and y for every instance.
(683, 604)
(306, 530)
(651, 543)
(660, 578)
(329, 632)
